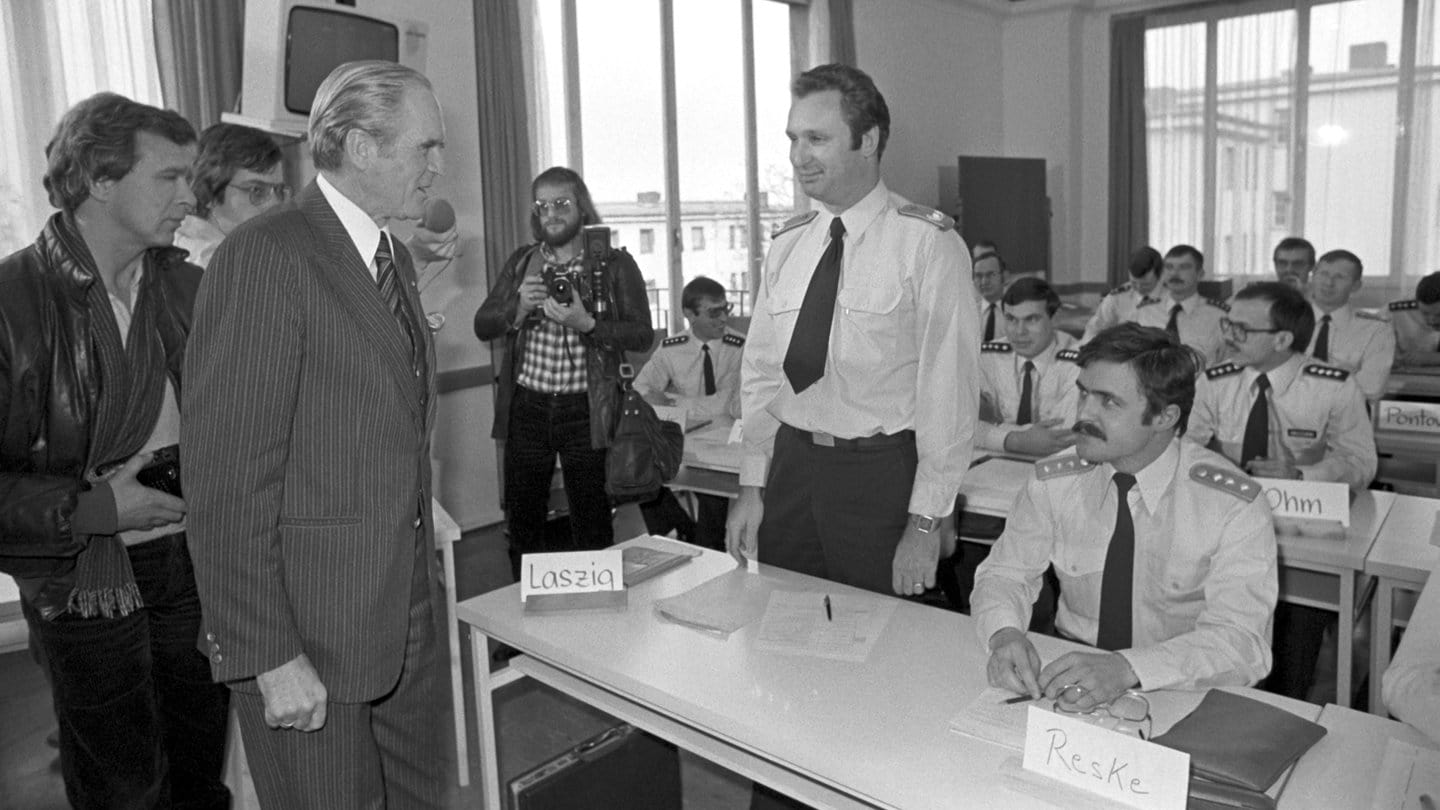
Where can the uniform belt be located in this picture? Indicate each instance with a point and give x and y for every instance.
(822, 439)
(547, 396)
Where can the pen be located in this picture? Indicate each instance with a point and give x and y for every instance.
(828, 616)
(1017, 699)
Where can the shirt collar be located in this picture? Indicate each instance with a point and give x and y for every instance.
(1043, 361)
(1280, 377)
(1152, 481)
(859, 216)
(1339, 316)
(361, 229)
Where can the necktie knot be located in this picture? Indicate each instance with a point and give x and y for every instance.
(1176, 310)
(1262, 383)
(1123, 483)
(837, 228)
(1028, 367)
(1325, 319)
(383, 255)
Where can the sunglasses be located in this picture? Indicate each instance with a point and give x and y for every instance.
(718, 311)
(560, 205)
(259, 192)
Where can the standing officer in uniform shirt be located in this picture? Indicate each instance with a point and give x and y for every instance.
(1294, 259)
(1164, 551)
(1193, 320)
(857, 381)
(1417, 325)
(1358, 342)
(1119, 305)
(700, 370)
(1028, 393)
(989, 277)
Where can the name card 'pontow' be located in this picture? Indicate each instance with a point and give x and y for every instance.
(1106, 763)
(575, 579)
(1327, 501)
(1415, 417)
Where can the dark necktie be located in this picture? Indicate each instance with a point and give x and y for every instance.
(709, 371)
(1256, 443)
(1322, 341)
(805, 359)
(1115, 587)
(1173, 325)
(989, 323)
(389, 280)
(1027, 396)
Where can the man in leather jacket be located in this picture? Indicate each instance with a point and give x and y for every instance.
(95, 317)
(559, 387)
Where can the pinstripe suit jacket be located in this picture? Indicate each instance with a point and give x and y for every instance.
(306, 443)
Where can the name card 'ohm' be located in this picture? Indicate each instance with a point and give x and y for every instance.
(1327, 501)
(1106, 763)
(571, 572)
(1414, 417)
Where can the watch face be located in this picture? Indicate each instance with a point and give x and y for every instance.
(925, 524)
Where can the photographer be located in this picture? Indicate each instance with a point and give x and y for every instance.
(567, 316)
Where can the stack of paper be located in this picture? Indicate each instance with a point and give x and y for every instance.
(719, 606)
(993, 718)
(840, 628)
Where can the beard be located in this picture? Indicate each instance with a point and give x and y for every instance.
(561, 237)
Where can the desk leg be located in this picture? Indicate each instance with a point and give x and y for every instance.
(1345, 641)
(457, 693)
(485, 706)
(1380, 630)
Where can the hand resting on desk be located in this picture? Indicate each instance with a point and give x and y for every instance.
(742, 527)
(1015, 665)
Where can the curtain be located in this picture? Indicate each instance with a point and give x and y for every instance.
(504, 137)
(199, 45)
(1129, 177)
(842, 32)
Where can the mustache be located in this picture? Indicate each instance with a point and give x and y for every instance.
(1088, 429)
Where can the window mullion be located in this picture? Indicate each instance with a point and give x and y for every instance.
(570, 48)
(671, 126)
(1211, 124)
(1300, 120)
(752, 149)
(1404, 116)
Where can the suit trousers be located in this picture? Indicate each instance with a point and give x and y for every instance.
(384, 753)
(837, 512)
(142, 725)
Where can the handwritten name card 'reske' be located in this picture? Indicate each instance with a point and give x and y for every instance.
(1105, 763)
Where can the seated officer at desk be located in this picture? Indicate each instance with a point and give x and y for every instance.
(699, 370)
(1164, 550)
(1417, 325)
(1360, 342)
(1027, 388)
(1119, 305)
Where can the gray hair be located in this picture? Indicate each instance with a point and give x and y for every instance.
(363, 96)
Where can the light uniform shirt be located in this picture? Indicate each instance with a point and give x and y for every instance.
(677, 369)
(1117, 307)
(1362, 344)
(1412, 334)
(1199, 323)
(1412, 682)
(167, 425)
(1053, 394)
(1317, 418)
(1204, 584)
(904, 348)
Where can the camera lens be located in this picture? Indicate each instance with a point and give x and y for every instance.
(560, 290)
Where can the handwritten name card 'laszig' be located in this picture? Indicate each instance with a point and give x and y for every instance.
(1106, 763)
(1414, 417)
(572, 579)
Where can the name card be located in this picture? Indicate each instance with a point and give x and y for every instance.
(571, 572)
(1327, 501)
(671, 413)
(1415, 417)
(1106, 763)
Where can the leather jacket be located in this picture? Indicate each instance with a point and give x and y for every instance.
(49, 386)
(625, 326)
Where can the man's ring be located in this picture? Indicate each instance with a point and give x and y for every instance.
(287, 725)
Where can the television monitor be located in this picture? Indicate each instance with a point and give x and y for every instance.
(319, 39)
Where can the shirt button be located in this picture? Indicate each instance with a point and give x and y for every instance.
(209, 636)
(217, 658)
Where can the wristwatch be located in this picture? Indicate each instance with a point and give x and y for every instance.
(925, 523)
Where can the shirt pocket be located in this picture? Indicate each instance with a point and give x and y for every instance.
(873, 335)
(1081, 569)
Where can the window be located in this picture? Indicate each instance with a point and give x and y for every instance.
(656, 157)
(1318, 117)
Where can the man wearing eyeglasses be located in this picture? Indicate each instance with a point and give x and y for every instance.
(559, 371)
(238, 176)
(1279, 414)
(698, 369)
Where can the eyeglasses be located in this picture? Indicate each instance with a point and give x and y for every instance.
(989, 275)
(718, 311)
(560, 205)
(1128, 714)
(259, 192)
(1240, 331)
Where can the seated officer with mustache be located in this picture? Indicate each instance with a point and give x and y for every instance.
(1165, 552)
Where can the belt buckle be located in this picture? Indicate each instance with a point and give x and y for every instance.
(822, 439)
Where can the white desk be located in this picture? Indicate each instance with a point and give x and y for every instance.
(1342, 769)
(711, 464)
(831, 734)
(1400, 560)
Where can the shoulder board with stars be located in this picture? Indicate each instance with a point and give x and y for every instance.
(1047, 468)
(1371, 316)
(794, 222)
(1218, 304)
(1396, 306)
(1122, 289)
(1147, 301)
(1222, 370)
(928, 214)
(1067, 354)
(1230, 481)
(678, 340)
(733, 340)
(996, 346)
(1327, 372)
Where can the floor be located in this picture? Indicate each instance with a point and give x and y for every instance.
(535, 723)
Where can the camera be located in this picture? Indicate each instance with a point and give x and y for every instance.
(559, 288)
(563, 283)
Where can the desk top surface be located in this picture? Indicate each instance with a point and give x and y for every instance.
(1342, 769)
(1368, 513)
(877, 731)
(1404, 550)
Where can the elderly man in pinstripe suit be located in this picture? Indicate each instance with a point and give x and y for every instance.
(309, 399)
